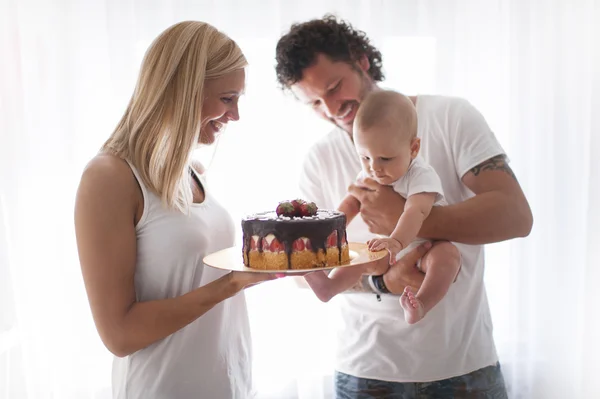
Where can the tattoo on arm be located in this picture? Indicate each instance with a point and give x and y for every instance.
(495, 163)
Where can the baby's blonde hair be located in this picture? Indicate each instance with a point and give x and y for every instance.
(161, 126)
(388, 109)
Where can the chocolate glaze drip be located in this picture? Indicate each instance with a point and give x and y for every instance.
(287, 230)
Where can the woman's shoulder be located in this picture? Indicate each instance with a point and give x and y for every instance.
(106, 173)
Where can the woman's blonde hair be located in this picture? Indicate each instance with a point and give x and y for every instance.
(161, 126)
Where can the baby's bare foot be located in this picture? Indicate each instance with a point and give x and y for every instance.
(413, 307)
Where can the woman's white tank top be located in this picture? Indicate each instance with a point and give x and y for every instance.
(211, 357)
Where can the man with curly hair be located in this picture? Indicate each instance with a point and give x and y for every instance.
(331, 67)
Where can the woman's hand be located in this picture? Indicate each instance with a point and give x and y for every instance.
(243, 280)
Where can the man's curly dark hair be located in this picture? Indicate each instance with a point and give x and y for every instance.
(298, 49)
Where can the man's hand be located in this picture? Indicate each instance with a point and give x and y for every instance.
(404, 272)
(380, 206)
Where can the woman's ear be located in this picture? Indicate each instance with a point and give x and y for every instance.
(415, 146)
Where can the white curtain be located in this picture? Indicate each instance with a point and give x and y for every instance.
(532, 68)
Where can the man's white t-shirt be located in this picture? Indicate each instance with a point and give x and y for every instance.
(419, 178)
(455, 338)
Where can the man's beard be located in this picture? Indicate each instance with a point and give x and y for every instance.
(367, 86)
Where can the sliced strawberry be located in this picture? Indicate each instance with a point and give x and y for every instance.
(308, 245)
(298, 245)
(332, 239)
(252, 243)
(265, 244)
(276, 246)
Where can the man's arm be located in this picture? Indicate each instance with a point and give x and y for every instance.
(361, 286)
(401, 274)
(499, 210)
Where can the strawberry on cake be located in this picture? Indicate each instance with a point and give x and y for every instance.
(297, 235)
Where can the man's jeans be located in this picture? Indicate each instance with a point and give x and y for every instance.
(485, 383)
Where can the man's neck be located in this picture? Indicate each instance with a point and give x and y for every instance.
(348, 133)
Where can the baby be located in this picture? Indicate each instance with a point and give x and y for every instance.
(385, 137)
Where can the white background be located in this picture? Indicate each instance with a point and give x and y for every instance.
(68, 69)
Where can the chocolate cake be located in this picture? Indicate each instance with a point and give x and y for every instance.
(295, 236)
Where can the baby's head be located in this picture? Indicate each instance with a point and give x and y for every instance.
(385, 135)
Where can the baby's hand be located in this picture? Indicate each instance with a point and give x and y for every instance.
(392, 245)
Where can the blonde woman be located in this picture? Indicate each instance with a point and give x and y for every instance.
(145, 218)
